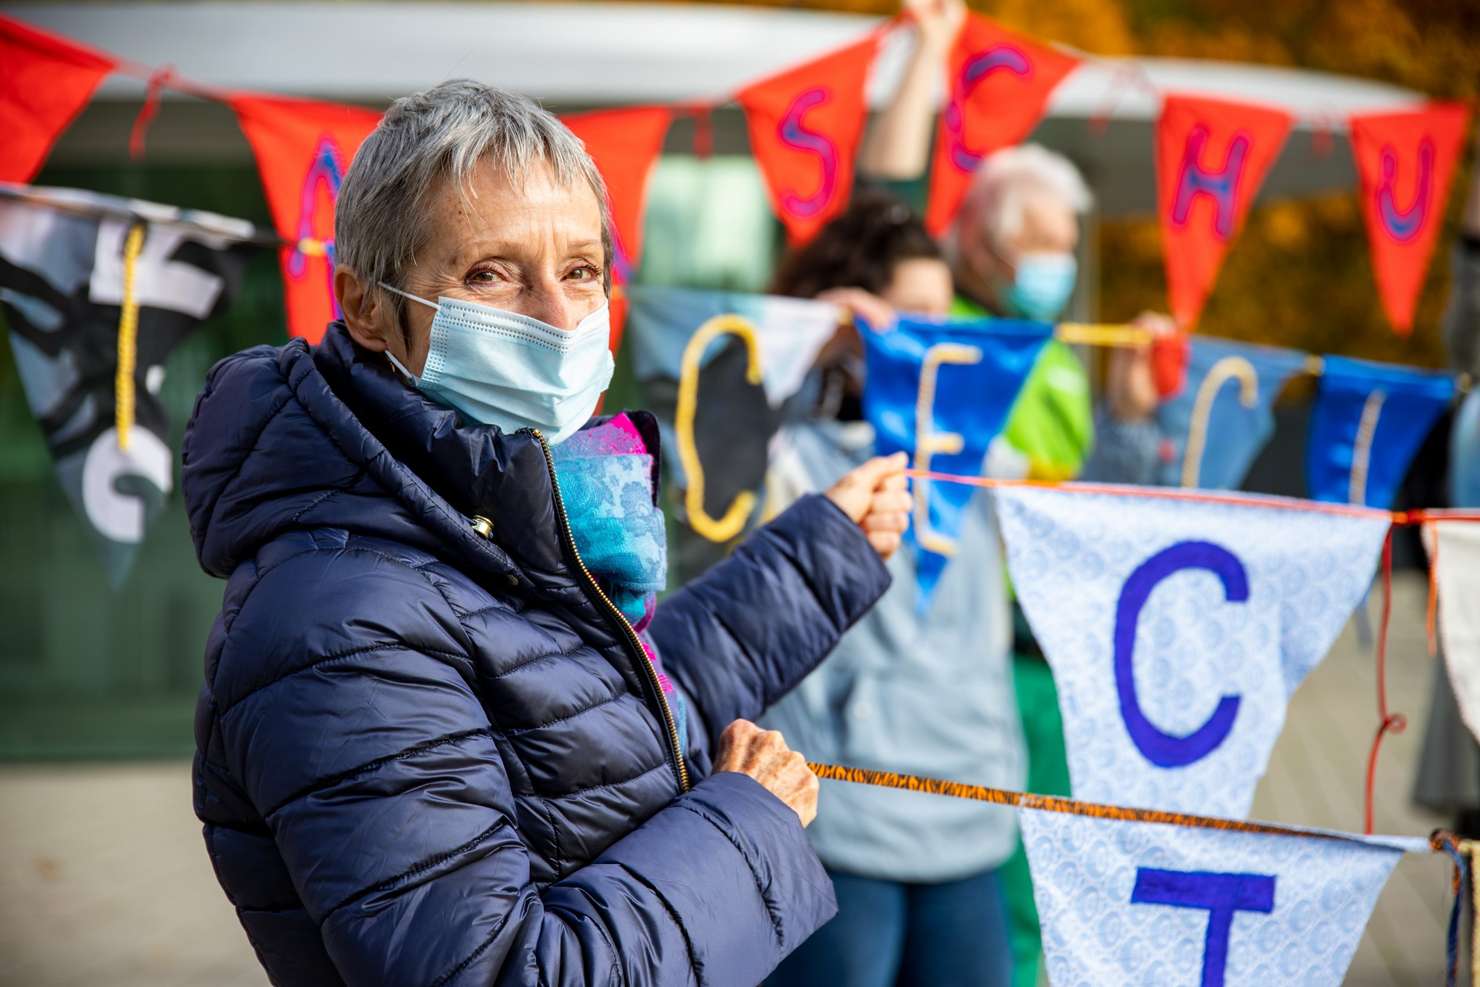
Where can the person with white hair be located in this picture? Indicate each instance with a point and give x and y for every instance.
(447, 735)
(1013, 252)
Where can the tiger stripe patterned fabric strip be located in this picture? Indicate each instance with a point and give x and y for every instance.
(998, 796)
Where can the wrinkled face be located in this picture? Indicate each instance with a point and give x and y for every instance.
(533, 247)
(1049, 226)
(920, 286)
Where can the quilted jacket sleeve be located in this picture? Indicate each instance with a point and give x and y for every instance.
(743, 634)
(377, 772)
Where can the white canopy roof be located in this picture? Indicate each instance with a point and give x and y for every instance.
(594, 54)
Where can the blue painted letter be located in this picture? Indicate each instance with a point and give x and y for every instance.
(1404, 224)
(1220, 894)
(794, 133)
(1164, 749)
(1193, 179)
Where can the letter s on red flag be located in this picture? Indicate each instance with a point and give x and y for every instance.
(1405, 161)
(805, 126)
(1211, 157)
(997, 87)
(45, 83)
(303, 149)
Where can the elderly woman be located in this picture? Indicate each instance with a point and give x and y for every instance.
(445, 736)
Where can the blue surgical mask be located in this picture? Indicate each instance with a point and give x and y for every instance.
(1042, 286)
(509, 370)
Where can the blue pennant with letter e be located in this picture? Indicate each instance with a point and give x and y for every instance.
(941, 392)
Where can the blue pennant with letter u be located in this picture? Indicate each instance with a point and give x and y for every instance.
(941, 392)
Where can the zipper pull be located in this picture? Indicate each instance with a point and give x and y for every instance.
(483, 526)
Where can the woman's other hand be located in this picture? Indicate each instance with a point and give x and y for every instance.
(875, 496)
(861, 304)
(763, 754)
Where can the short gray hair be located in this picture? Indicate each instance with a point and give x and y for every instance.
(442, 133)
(998, 188)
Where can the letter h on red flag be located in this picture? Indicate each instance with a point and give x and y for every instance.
(1405, 161)
(303, 149)
(804, 130)
(1211, 157)
(998, 86)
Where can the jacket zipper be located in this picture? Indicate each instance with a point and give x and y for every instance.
(635, 646)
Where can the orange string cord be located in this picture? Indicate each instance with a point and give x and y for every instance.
(1387, 722)
(158, 79)
(1053, 803)
(1165, 493)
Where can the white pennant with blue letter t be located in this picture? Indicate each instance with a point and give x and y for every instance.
(1178, 629)
(1125, 902)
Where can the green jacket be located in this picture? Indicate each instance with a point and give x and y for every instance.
(1052, 421)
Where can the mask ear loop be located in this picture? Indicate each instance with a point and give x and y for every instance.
(408, 375)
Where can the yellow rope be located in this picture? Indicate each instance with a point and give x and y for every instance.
(1053, 803)
(128, 340)
(1095, 334)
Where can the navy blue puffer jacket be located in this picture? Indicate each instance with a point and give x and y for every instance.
(429, 754)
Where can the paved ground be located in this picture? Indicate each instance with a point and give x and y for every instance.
(127, 898)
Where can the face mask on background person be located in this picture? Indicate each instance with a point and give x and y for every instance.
(1042, 285)
(509, 370)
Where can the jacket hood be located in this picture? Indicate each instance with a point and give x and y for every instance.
(299, 437)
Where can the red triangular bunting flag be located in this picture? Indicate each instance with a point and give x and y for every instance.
(303, 150)
(1405, 161)
(624, 144)
(45, 83)
(804, 130)
(998, 84)
(1211, 157)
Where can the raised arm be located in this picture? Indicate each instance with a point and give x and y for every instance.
(742, 635)
(897, 146)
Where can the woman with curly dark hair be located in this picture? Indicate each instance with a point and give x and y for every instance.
(874, 259)
(916, 877)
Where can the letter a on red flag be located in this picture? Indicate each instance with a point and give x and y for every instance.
(1211, 157)
(303, 149)
(45, 81)
(624, 144)
(804, 130)
(998, 84)
(1405, 161)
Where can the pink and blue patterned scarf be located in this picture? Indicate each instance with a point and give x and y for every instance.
(606, 480)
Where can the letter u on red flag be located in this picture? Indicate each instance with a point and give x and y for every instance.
(997, 87)
(303, 149)
(45, 82)
(1405, 161)
(1211, 157)
(624, 144)
(804, 131)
